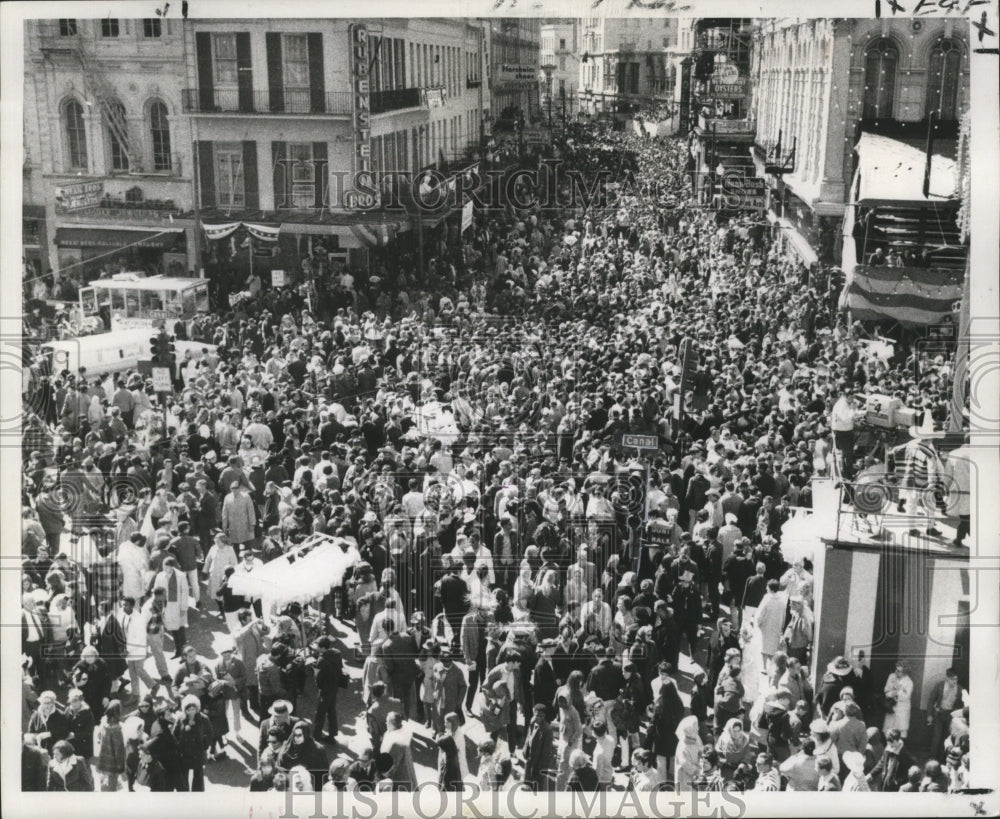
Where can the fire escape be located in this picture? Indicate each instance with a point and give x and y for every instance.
(112, 112)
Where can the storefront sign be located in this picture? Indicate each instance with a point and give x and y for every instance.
(361, 92)
(723, 90)
(77, 197)
(120, 322)
(741, 192)
(517, 73)
(726, 73)
(435, 97)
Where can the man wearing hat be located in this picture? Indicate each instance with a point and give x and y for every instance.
(819, 731)
(231, 669)
(162, 745)
(330, 678)
(838, 676)
(280, 719)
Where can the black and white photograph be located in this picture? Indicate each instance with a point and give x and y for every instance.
(562, 407)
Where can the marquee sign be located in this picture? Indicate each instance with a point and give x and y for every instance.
(361, 94)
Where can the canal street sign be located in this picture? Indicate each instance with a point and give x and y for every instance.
(641, 441)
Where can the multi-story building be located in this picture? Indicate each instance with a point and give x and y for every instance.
(513, 46)
(838, 103)
(624, 67)
(286, 113)
(560, 59)
(108, 168)
(718, 90)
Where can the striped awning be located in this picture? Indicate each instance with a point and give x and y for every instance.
(909, 295)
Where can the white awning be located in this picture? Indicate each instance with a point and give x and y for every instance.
(797, 242)
(891, 170)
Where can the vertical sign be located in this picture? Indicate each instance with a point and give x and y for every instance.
(684, 120)
(361, 93)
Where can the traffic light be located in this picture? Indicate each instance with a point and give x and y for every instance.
(156, 349)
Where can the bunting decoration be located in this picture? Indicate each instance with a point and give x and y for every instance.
(223, 231)
(263, 233)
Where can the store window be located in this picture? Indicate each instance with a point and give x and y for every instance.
(229, 175)
(943, 77)
(224, 60)
(295, 70)
(881, 60)
(76, 135)
(300, 155)
(67, 27)
(159, 128)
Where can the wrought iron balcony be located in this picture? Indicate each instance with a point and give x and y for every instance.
(236, 101)
(397, 99)
(727, 127)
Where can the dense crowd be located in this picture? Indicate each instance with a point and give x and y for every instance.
(457, 432)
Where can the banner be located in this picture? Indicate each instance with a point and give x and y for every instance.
(264, 233)
(216, 232)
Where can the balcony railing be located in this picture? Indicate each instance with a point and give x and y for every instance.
(232, 101)
(396, 100)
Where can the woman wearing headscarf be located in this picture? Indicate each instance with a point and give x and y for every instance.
(193, 735)
(109, 747)
(687, 761)
(733, 747)
(300, 749)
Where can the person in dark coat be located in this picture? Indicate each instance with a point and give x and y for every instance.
(162, 745)
(583, 777)
(454, 595)
(330, 678)
(150, 774)
(839, 675)
(890, 772)
(67, 771)
(661, 738)
(543, 683)
(93, 677)
(539, 752)
(193, 733)
(34, 765)
(688, 610)
(81, 724)
(302, 749)
(49, 723)
(736, 571)
(723, 638)
(449, 765)
(399, 651)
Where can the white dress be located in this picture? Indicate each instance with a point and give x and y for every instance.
(753, 662)
(901, 689)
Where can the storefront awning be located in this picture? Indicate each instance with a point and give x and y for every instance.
(797, 242)
(116, 238)
(892, 171)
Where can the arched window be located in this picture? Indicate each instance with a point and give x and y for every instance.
(159, 129)
(881, 60)
(119, 151)
(76, 135)
(943, 78)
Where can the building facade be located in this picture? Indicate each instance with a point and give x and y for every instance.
(624, 67)
(513, 53)
(300, 122)
(828, 95)
(108, 167)
(560, 62)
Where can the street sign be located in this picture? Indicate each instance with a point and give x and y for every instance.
(161, 379)
(641, 441)
(278, 278)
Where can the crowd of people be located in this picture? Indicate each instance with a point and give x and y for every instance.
(457, 432)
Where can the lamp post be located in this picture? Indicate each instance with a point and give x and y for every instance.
(548, 69)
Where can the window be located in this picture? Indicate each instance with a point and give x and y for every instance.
(295, 70)
(229, 175)
(562, 43)
(152, 27)
(119, 151)
(76, 135)
(880, 79)
(159, 129)
(109, 27)
(224, 59)
(943, 78)
(666, 42)
(67, 27)
(300, 156)
(562, 63)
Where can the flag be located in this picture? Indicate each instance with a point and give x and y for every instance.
(264, 233)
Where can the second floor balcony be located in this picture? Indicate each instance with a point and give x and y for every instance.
(288, 101)
(743, 127)
(398, 99)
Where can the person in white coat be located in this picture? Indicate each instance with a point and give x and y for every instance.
(898, 692)
(221, 556)
(771, 619)
(133, 623)
(175, 610)
(134, 563)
